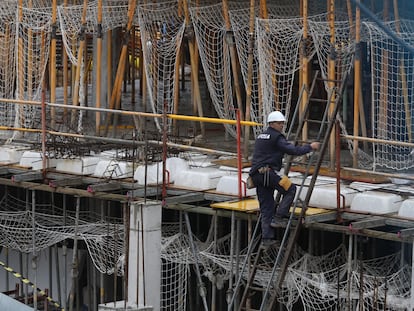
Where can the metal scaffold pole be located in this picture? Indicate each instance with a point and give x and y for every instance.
(202, 289)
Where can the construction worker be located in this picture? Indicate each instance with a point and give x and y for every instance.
(269, 149)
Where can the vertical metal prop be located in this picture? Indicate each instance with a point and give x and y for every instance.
(202, 289)
(412, 282)
(75, 258)
(246, 262)
(34, 259)
(239, 155)
(126, 250)
(65, 257)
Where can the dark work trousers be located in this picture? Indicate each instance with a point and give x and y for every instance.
(266, 184)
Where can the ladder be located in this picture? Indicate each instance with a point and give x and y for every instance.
(112, 170)
(291, 233)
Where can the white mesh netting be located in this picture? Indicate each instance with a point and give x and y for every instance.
(278, 43)
(7, 64)
(162, 28)
(324, 282)
(342, 48)
(215, 44)
(73, 28)
(26, 33)
(33, 43)
(28, 231)
(210, 32)
(379, 283)
(392, 94)
(246, 45)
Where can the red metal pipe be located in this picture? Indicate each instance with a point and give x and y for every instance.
(239, 156)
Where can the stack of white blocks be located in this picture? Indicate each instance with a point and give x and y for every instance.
(376, 202)
(34, 160)
(81, 166)
(12, 154)
(152, 174)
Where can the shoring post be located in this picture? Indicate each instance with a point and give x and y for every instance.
(192, 47)
(80, 58)
(126, 212)
(34, 259)
(249, 76)
(53, 63)
(98, 69)
(75, 267)
(412, 281)
(357, 84)
(65, 255)
(338, 167)
(331, 78)
(44, 161)
(65, 78)
(202, 288)
(304, 69)
(164, 154)
(101, 275)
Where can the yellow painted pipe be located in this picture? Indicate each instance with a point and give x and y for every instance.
(210, 120)
(135, 113)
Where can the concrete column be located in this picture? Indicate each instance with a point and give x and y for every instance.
(144, 263)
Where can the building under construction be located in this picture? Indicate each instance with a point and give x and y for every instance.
(126, 134)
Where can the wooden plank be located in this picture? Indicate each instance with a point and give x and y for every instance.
(345, 174)
(370, 222)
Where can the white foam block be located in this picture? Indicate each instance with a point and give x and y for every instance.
(325, 196)
(175, 166)
(150, 174)
(229, 184)
(81, 166)
(153, 173)
(199, 178)
(407, 208)
(113, 169)
(299, 180)
(12, 154)
(376, 202)
(34, 160)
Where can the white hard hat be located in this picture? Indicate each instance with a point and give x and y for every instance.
(276, 116)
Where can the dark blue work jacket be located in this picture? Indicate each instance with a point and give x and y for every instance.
(270, 147)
